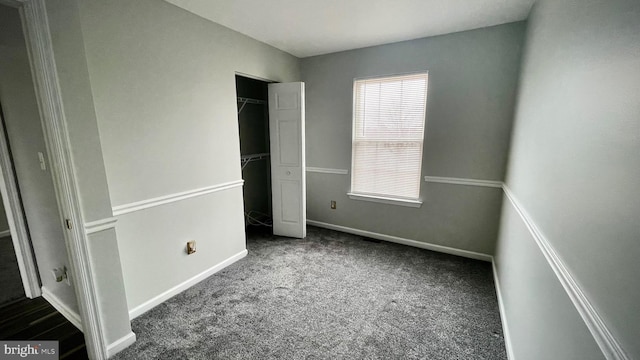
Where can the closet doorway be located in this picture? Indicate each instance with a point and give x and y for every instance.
(271, 121)
(253, 124)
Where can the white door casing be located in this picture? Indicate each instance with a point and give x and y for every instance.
(41, 57)
(288, 178)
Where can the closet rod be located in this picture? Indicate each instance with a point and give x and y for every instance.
(245, 159)
(246, 101)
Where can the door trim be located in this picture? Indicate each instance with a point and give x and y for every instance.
(254, 77)
(43, 67)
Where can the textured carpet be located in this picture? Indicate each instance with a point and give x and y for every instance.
(11, 288)
(329, 296)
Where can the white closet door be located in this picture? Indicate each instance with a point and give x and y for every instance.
(288, 178)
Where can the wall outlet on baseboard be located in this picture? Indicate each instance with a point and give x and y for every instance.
(333, 204)
(191, 247)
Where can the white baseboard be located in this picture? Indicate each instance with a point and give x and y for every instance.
(157, 300)
(503, 314)
(120, 344)
(399, 240)
(62, 308)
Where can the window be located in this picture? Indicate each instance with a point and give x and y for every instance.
(388, 132)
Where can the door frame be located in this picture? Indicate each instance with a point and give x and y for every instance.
(271, 141)
(267, 81)
(41, 58)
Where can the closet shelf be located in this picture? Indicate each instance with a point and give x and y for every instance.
(245, 159)
(246, 101)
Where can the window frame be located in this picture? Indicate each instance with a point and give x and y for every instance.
(381, 198)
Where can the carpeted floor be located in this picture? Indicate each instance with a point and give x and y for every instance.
(10, 281)
(329, 296)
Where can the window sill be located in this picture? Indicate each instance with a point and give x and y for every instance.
(386, 200)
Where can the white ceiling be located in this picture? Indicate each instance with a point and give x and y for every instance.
(313, 27)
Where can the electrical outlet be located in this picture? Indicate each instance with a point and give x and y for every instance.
(58, 274)
(67, 276)
(191, 247)
(333, 204)
(61, 274)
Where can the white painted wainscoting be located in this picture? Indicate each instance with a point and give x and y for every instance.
(602, 335)
(144, 224)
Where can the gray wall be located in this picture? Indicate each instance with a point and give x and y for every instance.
(472, 84)
(26, 139)
(574, 167)
(163, 81)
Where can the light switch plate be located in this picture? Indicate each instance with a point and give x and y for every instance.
(43, 164)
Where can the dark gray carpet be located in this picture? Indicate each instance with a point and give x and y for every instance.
(329, 296)
(11, 288)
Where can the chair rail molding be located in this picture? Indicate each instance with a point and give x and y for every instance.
(100, 225)
(463, 181)
(167, 199)
(320, 170)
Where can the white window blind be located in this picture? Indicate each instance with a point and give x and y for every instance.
(388, 132)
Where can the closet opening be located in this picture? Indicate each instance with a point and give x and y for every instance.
(253, 123)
